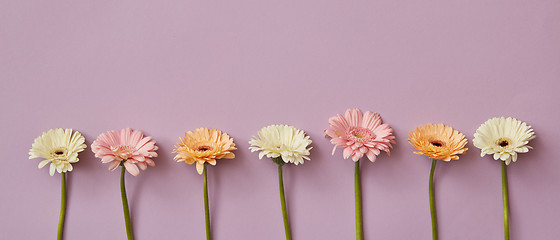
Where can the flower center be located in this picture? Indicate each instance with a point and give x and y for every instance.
(437, 143)
(503, 142)
(122, 152)
(59, 153)
(204, 148)
(361, 133)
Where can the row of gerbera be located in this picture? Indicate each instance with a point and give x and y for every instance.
(360, 135)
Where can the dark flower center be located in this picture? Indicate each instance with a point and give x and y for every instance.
(503, 143)
(59, 153)
(437, 143)
(203, 148)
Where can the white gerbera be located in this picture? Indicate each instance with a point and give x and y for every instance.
(60, 147)
(283, 141)
(504, 138)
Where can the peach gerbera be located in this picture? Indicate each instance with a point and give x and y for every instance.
(438, 142)
(126, 146)
(204, 146)
(360, 134)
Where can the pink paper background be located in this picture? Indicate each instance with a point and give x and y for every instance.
(166, 67)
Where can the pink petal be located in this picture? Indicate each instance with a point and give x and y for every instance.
(357, 156)
(371, 120)
(102, 151)
(138, 158)
(143, 165)
(363, 150)
(142, 142)
(125, 136)
(357, 145)
(131, 168)
(354, 117)
(347, 152)
(371, 155)
(339, 142)
(113, 165)
(333, 150)
(107, 158)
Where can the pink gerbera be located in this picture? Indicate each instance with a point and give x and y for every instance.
(360, 134)
(126, 146)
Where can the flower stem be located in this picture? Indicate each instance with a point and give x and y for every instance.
(129, 235)
(358, 201)
(283, 201)
(206, 208)
(432, 202)
(505, 201)
(62, 206)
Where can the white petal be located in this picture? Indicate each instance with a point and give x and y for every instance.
(504, 156)
(43, 163)
(52, 169)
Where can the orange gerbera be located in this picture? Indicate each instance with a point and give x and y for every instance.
(438, 142)
(204, 146)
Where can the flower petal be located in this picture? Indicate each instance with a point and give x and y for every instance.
(131, 168)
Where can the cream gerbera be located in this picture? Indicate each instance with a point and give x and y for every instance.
(204, 146)
(283, 144)
(360, 135)
(287, 142)
(59, 147)
(503, 138)
(438, 142)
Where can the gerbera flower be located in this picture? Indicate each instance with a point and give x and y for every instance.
(204, 146)
(360, 134)
(60, 147)
(504, 138)
(126, 146)
(283, 144)
(438, 142)
(283, 141)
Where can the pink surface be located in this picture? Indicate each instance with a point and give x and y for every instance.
(166, 67)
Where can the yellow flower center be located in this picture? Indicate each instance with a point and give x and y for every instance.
(361, 133)
(122, 152)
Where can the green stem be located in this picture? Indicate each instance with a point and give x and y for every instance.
(432, 202)
(505, 201)
(358, 200)
(62, 207)
(206, 208)
(283, 201)
(129, 235)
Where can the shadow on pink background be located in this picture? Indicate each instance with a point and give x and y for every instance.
(167, 67)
